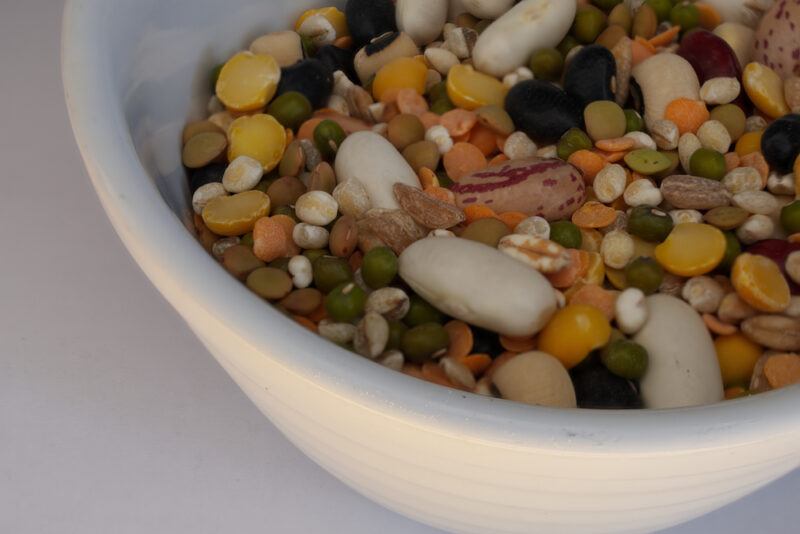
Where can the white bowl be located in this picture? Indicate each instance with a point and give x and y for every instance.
(134, 71)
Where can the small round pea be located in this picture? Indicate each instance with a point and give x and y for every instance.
(633, 121)
(329, 272)
(732, 117)
(650, 224)
(346, 302)
(625, 358)
(645, 274)
(547, 64)
(604, 120)
(442, 105)
(661, 7)
(379, 267)
(687, 16)
(732, 250)
(291, 109)
(566, 234)
(421, 342)
(607, 5)
(568, 43)
(396, 331)
(790, 217)
(573, 140)
(487, 231)
(588, 24)
(328, 137)
(707, 163)
(269, 283)
(421, 312)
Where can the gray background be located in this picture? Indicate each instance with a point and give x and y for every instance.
(113, 417)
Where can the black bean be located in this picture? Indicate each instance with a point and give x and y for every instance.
(589, 74)
(598, 388)
(311, 77)
(206, 175)
(781, 143)
(367, 19)
(542, 110)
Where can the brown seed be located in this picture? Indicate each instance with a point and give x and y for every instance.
(323, 178)
(344, 237)
(726, 217)
(285, 191)
(293, 161)
(773, 331)
(302, 301)
(691, 192)
(426, 210)
(198, 127)
(783, 370)
(269, 283)
(645, 22)
(204, 148)
(207, 237)
(611, 36)
(396, 228)
(240, 261)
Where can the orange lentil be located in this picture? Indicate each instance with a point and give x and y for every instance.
(732, 161)
(518, 344)
(346, 41)
(794, 238)
(613, 157)
(501, 360)
(718, 327)
(411, 102)
(461, 138)
(566, 277)
(440, 193)
(645, 43)
(462, 160)
(429, 120)
(512, 218)
(432, 372)
(348, 124)
(461, 339)
(476, 212)
(639, 52)
(288, 226)
(483, 138)
(498, 159)
(588, 162)
(428, 178)
(269, 239)
(476, 363)
(594, 215)
(665, 38)
(756, 160)
(459, 121)
(412, 369)
(618, 144)
(390, 112)
(304, 322)
(782, 370)
(709, 16)
(597, 297)
(687, 114)
(735, 392)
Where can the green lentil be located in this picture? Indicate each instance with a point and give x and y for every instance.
(790, 217)
(488, 231)
(732, 117)
(421, 312)
(625, 358)
(650, 224)
(573, 140)
(726, 217)
(707, 163)
(396, 331)
(404, 130)
(604, 120)
(269, 283)
(588, 24)
(423, 341)
(379, 267)
(647, 161)
(645, 274)
(547, 64)
(346, 302)
(621, 16)
(302, 301)
(291, 109)
(645, 22)
(633, 121)
(566, 234)
(329, 272)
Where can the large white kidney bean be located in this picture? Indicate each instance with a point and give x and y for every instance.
(479, 285)
(423, 20)
(683, 369)
(377, 164)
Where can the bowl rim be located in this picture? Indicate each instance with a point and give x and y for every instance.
(180, 269)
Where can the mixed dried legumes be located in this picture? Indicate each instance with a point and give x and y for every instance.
(572, 204)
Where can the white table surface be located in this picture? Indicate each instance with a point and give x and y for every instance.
(113, 417)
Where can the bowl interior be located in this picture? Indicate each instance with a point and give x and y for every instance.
(135, 71)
